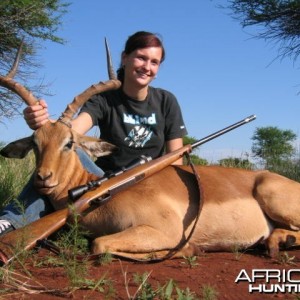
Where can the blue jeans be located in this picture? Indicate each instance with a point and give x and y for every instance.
(31, 206)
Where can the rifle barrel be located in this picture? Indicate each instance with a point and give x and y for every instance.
(222, 131)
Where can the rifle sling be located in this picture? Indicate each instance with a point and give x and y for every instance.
(184, 241)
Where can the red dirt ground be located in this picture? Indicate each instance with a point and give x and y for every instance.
(215, 270)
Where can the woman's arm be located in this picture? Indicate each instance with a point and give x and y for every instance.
(174, 145)
(82, 123)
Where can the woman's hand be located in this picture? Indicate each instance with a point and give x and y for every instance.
(36, 115)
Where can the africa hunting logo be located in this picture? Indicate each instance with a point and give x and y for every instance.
(270, 281)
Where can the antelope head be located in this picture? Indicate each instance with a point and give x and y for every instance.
(57, 165)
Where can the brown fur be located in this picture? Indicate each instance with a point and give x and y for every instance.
(239, 208)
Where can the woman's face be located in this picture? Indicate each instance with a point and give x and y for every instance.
(141, 65)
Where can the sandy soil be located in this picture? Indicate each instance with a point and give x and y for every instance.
(211, 273)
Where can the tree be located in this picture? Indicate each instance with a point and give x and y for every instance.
(30, 21)
(273, 145)
(279, 20)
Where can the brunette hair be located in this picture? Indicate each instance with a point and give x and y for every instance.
(140, 40)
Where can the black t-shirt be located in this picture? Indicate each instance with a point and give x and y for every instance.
(136, 127)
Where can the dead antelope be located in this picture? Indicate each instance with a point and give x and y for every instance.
(240, 208)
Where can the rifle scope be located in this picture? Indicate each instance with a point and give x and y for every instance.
(78, 191)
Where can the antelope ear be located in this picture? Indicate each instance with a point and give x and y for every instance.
(18, 149)
(95, 147)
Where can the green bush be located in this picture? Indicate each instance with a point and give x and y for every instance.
(14, 174)
(287, 168)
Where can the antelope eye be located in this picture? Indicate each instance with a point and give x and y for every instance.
(69, 144)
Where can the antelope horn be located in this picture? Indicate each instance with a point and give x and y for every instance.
(101, 87)
(8, 82)
(110, 69)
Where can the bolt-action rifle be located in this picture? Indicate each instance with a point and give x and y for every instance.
(95, 193)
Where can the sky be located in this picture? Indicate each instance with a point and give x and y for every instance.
(219, 73)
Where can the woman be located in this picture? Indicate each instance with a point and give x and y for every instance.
(139, 119)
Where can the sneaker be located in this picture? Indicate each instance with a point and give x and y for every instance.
(5, 227)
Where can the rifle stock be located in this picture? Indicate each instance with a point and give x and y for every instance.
(28, 236)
